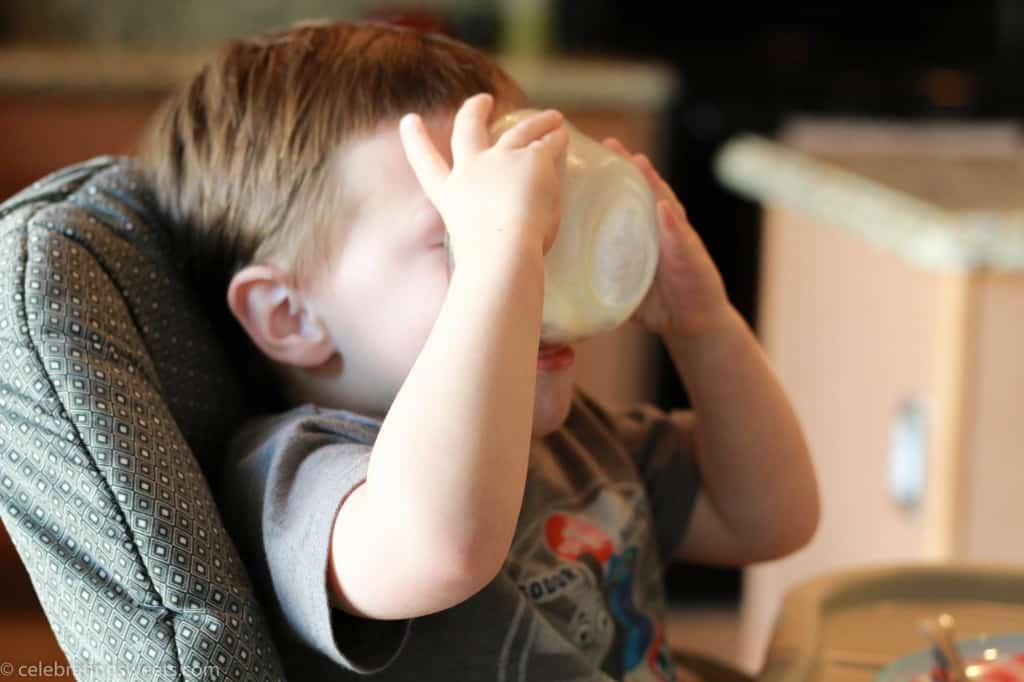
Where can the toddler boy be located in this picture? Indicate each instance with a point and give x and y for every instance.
(439, 501)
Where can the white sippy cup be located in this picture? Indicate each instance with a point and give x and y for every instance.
(605, 255)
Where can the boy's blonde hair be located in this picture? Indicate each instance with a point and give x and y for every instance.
(240, 155)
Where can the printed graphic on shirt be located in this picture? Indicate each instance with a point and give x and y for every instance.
(591, 570)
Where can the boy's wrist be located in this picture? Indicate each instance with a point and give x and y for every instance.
(519, 257)
(711, 339)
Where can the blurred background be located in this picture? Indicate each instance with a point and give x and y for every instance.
(678, 81)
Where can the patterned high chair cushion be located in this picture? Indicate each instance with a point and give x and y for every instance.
(115, 402)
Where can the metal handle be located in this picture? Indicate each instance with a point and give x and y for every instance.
(908, 453)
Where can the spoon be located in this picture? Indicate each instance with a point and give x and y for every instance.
(941, 633)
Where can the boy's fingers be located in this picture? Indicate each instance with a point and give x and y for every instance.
(650, 172)
(644, 165)
(469, 130)
(616, 146)
(658, 184)
(661, 189)
(669, 219)
(427, 163)
(531, 129)
(555, 142)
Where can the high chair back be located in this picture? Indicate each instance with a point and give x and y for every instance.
(116, 400)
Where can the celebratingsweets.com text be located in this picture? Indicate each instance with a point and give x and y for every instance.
(49, 669)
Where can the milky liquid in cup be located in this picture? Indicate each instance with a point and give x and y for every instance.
(605, 255)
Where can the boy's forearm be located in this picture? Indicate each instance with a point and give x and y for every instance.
(755, 467)
(448, 468)
(462, 418)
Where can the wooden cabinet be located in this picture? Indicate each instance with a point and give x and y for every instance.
(44, 132)
(892, 309)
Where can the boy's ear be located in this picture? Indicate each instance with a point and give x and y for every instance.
(276, 318)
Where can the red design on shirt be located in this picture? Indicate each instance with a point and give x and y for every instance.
(570, 536)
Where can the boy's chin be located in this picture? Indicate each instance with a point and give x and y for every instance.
(546, 425)
(551, 405)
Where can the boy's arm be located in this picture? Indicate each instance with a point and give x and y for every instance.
(435, 518)
(759, 496)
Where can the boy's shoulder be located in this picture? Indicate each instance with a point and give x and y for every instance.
(317, 424)
(307, 422)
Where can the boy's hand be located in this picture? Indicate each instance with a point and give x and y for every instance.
(491, 193)
(688, 297)
(758, 498)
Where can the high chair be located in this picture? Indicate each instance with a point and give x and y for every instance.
(115, 403)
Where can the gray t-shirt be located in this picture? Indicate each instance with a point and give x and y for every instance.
(580, 597)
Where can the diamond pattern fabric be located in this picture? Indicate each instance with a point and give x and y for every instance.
(115, 403)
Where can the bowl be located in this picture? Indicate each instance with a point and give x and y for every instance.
(989, 658)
